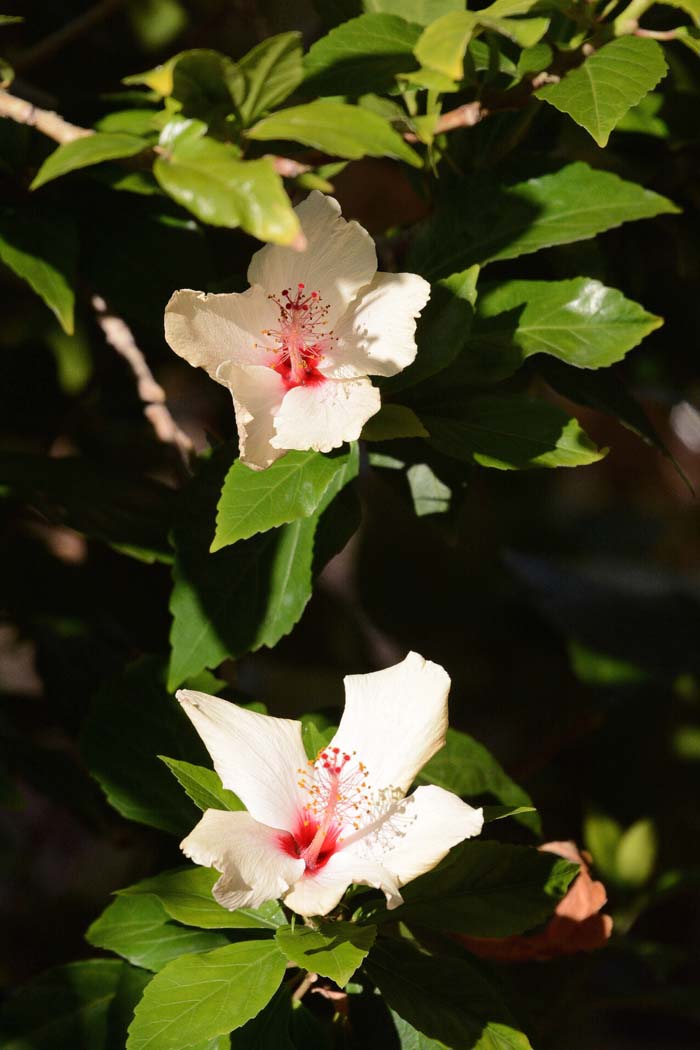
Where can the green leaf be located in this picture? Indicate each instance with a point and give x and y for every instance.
(487, 889)
(198, 997)
(138, 928)
(442, 331)
(207, 178)
(579, 321)
(333, 949)
(410, 1038)
(393, 421)
(316, 733)
(270, 72)
(84, 152)
(142, 122)
(132, 718)
(254, 501)
(602, 835)
(489, 222)
(251, 594)
(635, 857)
(41, 247)
(421, 12)
(202, 785)
(510, 432)
(598, 93)
(336, 128)
(131, 513)
(270, 1029)
(430, 495)
(84, 1005)
(364, 54)
(501, 812)
(186, 896)
(533, 60)
(443, 43)
(444, 998)
(467, 768)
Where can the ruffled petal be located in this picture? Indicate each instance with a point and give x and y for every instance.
(319, 893)
(208, 330)
(434, 820)
(324, 415)
(254, 868)
(340, 257)
(257, 393)
(377, 333)
(395, 720)
(256, 756)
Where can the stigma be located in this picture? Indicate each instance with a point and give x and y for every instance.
(301, 336)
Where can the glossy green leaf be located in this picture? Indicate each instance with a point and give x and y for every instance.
(443, 43)
(254, 501)
(41, 247)
(579, 321)
(430, 495)
(421, 12)
(85, 1006)
(270, 72)
(364, 54)
(84, 152)
(253, 593)
(141, 122)
(208, 178)
(393, 421)
(202, 785)
(338, 129)
(487, 889)
(131, 513)
(132, 718)
(333, 949)
(199, 997)
(444, 998)
(467, 768)
(490, 222)
(138, 928)
(510, 432)
(598, 93)
(442, 331)
(186, 896)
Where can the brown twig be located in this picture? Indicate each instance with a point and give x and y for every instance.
(288, 168)
(150, 392)
(44, 120)
(654, 34)
(301, 989)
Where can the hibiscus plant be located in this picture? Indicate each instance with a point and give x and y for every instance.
(305, 304)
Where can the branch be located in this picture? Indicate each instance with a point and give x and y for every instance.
(301, 990)
(70, 31)
(150, 392)
(44, 120)
(654, 34)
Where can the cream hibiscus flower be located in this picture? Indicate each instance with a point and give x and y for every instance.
(313, 828)
(296, 348)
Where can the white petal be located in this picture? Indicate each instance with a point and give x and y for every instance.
(438, 821)
(257, 392)
(324, 415)
(209, 329)
(318, 894)
(254, 868)
(395, 719)
(376, 335)
(256, 756)
(340, 257)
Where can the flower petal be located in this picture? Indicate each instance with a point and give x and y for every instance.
(376, 335)
(324, 415)
(253, 867)
(438, 821)
(257, 393)
(209, 329)
(395, 719)
(256, 756)
(340, 257)
(319, 893)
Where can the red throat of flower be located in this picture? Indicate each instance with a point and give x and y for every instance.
(301, 336)
(336, 788)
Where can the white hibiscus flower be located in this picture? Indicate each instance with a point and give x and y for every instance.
(313, 828)
(296, 348)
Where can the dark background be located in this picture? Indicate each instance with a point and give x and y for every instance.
(520, 591)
